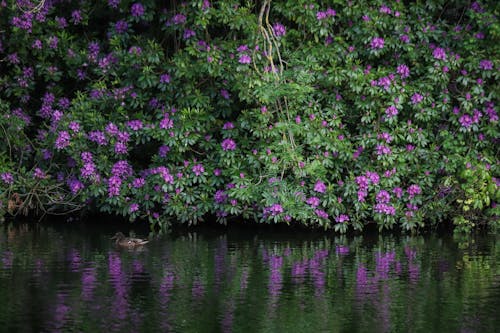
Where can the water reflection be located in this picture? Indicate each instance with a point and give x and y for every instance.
(230, 284)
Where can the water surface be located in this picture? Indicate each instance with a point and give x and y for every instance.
(70, 278)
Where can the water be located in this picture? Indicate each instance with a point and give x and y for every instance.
(70, 278)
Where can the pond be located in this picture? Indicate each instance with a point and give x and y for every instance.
(71, 278)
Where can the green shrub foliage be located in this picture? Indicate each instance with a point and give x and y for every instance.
(333, 114)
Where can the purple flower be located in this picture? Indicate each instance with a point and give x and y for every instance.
(486, 65)
(373, 176)
(76, 16)
(133, 207)
(416, 98)
(225, 94)
(98, 137)
(163, 150)
(320, 187)
(383, 150)
(342, 218)
(88, 170)
(404, 38)
(465, 120)
(121, 26)
(39, 173)
(53, 41)
(179, 19)
(137, 10)
(74, 185)
(198, 169)
(245, 59)
(121, 168)
(165, 78)
(413, 190)
(321, 213)
(275, 209)
(382, 208)
(138, 182)
(439, 53)
(7, 178)
(377, 43)
(113, 3)
(403, 71)
(313, 201)
(188, 33)
(62, 140)
(228, 144)
(114, 184)
(220, 197)
(135, 124)
(279, 29)
(37, 44)
(383, 196)
(391, 111)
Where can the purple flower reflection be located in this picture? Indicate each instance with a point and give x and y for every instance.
(220, 262)
(120, 305)
(299, 270)
(342, 250)
(383, 262)
(198, 289)
(88, 283)
(166, 286)
(60, 313)
(275, 277)
(75, 260)
(7, 259)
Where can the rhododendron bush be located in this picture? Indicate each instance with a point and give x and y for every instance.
(334, 114)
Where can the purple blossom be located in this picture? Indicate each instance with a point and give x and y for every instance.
(198, 169)
(137, 10)
(179, 19)
(188, 33)
(133, 207)
(220, 197)
(88, 170)
(245, 59)
(383, 150)
(62, 140)
(373, 176)
(465, 120)
(403, 71)
(274, 210)
(320, 187)
(135, 124)
(163, 150)
(486, 65)
(97, 137)
(383, 196)
(225, 94)
(121, 26)
(228, 144)
(74, 185)
(165, 78)
(138, 182)
(439, 53)
(76, 16)
(414, 190)
(321, 213)
(342, 218)
(86, 157)
(7, 178)
(121, 168)
(404, 38)
(114, 184)
(377, 43)
(417, 98)
(279, 29)
(382, 208)
(313, 201)
(391, 111)
(113, 3)
(39, 173)
(120, 148)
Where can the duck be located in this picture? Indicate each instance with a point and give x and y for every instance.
(121, 240)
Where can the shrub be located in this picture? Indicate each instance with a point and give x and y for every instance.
(284, 112)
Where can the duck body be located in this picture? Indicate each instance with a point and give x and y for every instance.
(121, 240)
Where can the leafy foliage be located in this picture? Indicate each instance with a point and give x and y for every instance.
(280, 112)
